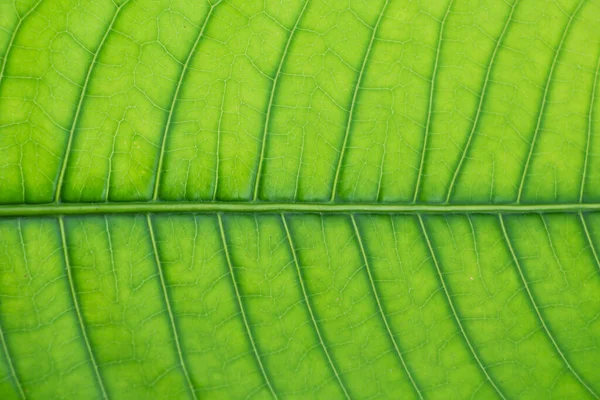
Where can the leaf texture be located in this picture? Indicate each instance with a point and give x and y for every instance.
(299, 199)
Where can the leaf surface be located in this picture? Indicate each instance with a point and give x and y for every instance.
(299, 199)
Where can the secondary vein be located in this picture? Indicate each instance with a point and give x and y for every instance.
(544, 101)
(263, 143)
(430, 107)
(11, 366)
(309, 307)
(184, 70)
(13, 36)
(169, 310)
(242, 309)
(63, 237)
(353, 103)
(589, 132)
(382, 312)
(454, 312)
(65, 160)
(481, 102)
(537, 309)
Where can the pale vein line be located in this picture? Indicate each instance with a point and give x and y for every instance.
(544, 99)
(112, 153)
(11, 366)
(430, 107)
(462, 329)
(63, 238)
(476, 250)
(29, 210)
(307, 301)
(481, 101)
(12, 39)
(2, 69)
(218, 149)
(242, 311)
(589, 132)
(551, 243)
(65, 160)
(22, 242)
(184, 70)
(535, 307)
(383, 158)
(381, 312)
(589, 239)
(2, 338)
(112, 257)
(270, 105)
(168, 304)
(353, 103)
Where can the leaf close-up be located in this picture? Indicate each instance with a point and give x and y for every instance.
(298, 199)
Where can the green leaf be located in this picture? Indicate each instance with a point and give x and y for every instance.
(299, 199)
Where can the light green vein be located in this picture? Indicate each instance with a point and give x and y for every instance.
(242, 311)
(380, 307)
(537, 310)
(552, 249)
(184, 70)
(29, 210)
(270, 105)
(430, 106)
(589, 239)
(2, 338)
(168, 304)
(353, 103)
(544, 101)
(11, 366)
(589, 131)
(217, 147)
(65, 160)
(480, 106)
(88, 346)
(310, 311)
(112, 257)
(451, 303)
(22, 242)
(2, 70)
(12, 38)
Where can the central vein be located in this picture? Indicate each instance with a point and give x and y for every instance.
(25, 210)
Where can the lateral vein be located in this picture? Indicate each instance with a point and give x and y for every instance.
(537, 309)
(13, 36)
(65, 160)
(242, 311)
(353, 103)
(481, 101)
(589, 132)
(310, 310)
(263, 144)
(454, 312)
(168, 304)
(589, 239)
(11, 366)
(184, 70)
(430, 106)
(63, 237)
(380, 307)
(543, 105)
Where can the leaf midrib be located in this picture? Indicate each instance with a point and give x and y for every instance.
(26, 210)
